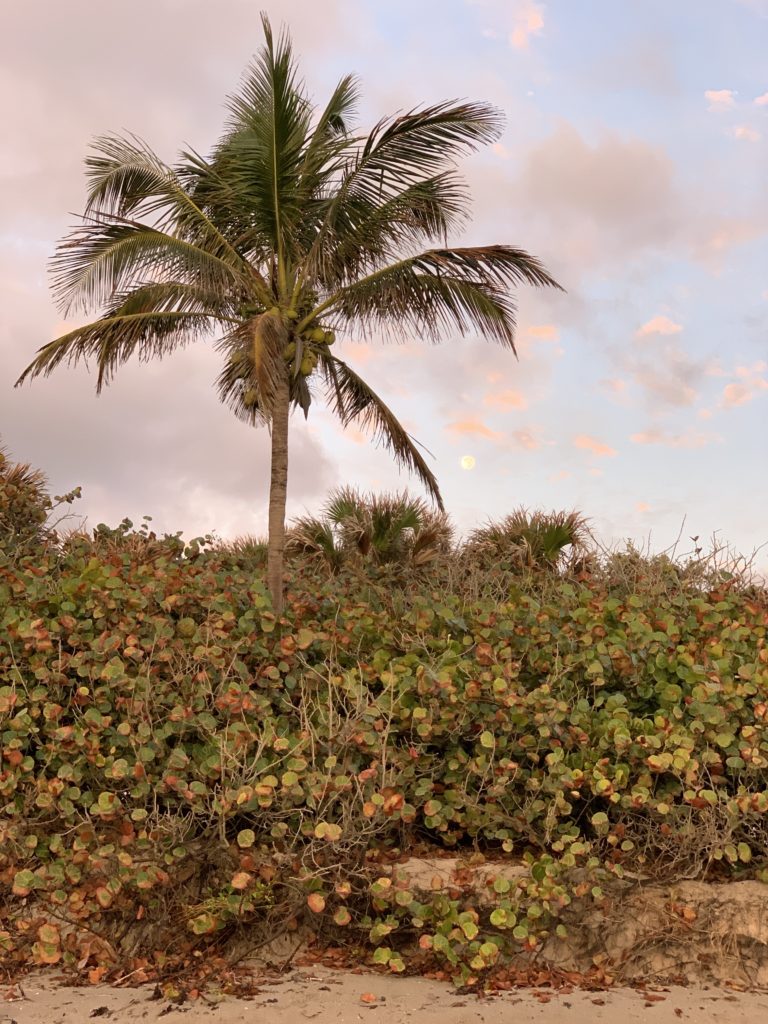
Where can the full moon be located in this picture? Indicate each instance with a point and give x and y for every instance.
(467, 461)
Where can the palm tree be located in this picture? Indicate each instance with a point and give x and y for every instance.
(294, 228)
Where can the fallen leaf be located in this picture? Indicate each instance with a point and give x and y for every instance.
(368, 997)
(316, 902)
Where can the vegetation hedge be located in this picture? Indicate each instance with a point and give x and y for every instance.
(178, 768)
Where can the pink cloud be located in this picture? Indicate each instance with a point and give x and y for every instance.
(564, 474)
(506, 400)
(543, 332)
(748, 371)
(761, 101)
(528, 21)
(688, 439)
(591, 444)
(720, 99)
(729, 233)
(473, 428)
(595, 471)
(642, 506)
(746, 133)
(659, 325)
(741, 392)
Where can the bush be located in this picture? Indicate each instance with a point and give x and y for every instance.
(25, 509)
(177, 762)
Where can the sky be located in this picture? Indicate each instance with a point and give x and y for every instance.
(634, 164)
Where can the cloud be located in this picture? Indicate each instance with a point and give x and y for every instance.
(662, 368)
(506, 400)
(720, 99)
(527, 21)
(727, 232)
(591, 203)
(659, 325)
(591, 444)
(644, 63)
(746, 133)
(642, 506)
(761, 101)
(527, 439)
(473, 428)
(743, 391)
(613, 385)
(687, 439)
(543, 332)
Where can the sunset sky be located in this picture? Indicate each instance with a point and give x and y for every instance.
(634, 165)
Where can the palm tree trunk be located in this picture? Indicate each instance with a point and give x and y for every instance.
(277, 494)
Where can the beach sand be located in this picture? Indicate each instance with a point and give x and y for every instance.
(323, 996)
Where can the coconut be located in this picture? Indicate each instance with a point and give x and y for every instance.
(240, 364)
(289, 351)
(308, 363)
(329, 337)
(317, 335)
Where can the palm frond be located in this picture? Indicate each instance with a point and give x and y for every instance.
(439, 290)
(128, 180)
(528, 539)
(368, 234)
(353, 401)
(398, 154)
(253, 366)
(108, 255)
(115, 337)
(262, 152)
(308, 535)
(405, 148)
(387, 528)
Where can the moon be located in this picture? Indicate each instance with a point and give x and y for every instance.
(467, 461)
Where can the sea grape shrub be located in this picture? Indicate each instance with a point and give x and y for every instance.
(175, 758)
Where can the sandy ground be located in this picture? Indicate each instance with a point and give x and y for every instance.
(324, 996)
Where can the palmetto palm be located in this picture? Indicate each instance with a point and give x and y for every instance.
(385, 529)
(293, 228)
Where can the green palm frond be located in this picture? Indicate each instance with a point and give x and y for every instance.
(370, 234)
(127, 180)
(263, 150)
(354, 401)
(408, 147)
(104, 256)
(528, 539)
(439, 290)
(329, 138)
(399, 153)
(114, 338)
(314, 537)
(386, 528)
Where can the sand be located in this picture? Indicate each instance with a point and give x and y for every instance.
(323, 996)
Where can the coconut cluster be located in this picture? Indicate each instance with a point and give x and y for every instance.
(312, 337)
(311, 340)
